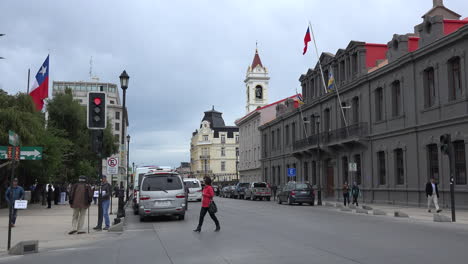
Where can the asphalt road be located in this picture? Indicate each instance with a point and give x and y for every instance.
(262, 232)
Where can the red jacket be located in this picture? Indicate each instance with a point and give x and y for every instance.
(208, 195)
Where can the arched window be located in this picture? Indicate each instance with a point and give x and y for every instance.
(259, 92)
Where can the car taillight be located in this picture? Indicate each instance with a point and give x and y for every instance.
(199, 191)
(180, 195)
(293, 193)
(144, 197)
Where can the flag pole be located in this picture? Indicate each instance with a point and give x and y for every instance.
(323, 77)
(29, 74)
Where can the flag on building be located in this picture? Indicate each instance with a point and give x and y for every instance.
(331, 82)
(307, 39)
(300, 100)
(40, 86)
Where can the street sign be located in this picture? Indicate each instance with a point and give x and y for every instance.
(291, 172)
(3, 152)
(13, 138)
(352, 166)
(112, 166)
(31, 153)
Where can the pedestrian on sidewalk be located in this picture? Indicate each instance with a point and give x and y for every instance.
(12, 194)
(355, 193)
(274, 188)
(50, 195)
(56, 194)
(80, 200)
(104, 202)
(432, 194)
(345, 193)
(207, 199)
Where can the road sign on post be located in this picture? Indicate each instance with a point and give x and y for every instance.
(352, 166)
(291, 172)
(13, 138)
(31, 153)
(112, 166)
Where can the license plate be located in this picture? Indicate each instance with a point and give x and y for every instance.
(304, 192)
(162, 203)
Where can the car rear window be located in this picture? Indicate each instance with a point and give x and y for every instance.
(192, 184)
(302, 186)
(161, 183)
(260, 185)
(246, 184)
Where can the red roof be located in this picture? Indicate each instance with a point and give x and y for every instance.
(266, 106)
(256, 61)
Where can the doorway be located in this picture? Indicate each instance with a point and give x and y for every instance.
(330, 178)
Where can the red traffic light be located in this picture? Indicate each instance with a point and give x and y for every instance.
(97, 101)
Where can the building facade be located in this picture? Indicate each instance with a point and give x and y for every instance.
(184, 170)
(397, 99)
(214, 149)
(114, 115)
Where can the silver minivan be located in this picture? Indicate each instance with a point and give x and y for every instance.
(162, 193)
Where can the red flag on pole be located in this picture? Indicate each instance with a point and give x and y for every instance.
(307, 39)
(40, 87)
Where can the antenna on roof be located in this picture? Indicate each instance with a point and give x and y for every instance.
(213, 108)
(91, 77)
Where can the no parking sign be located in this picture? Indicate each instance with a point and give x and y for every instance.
(112, 166)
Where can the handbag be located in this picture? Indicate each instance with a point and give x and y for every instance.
(213, 209)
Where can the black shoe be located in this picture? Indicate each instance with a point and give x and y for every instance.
(217, 229)
(72, 232)
(105, 228)
(97, 228)
(440, 210)
(81, 232)
(197, 230)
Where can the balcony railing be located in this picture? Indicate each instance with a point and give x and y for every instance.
(204, 157)
(205, 171)
(353, 131)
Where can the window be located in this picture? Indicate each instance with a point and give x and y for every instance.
(278, 138)
(460, 164)
(162, 182)
(117, 115)
(399, 169)
(265, 171)
(454, 75)
(381, 167)
(287, 134)
(342, 71)
(116, 138)
(429, 87)
(223, 166)
(304, 124)
(237, 152)
(205, 137)
(258, 92)
(325, 73)
(273, 171)
(223, 151)
(357, 160)
(117, 126)
(279, 175)
(264, 145)
(237, 139)
(112, 102)
(396, 98)
(273, 138)
(345, 165)
(306, 171)
(379, 104)
(314, 172)
(223, 139)
(354, 58)
(355, 109)
(433, 161)
(345, 111)
(205, 152)
(326, 120)
(293, 131)
(312, 88)
(348, 67)
(312, 124)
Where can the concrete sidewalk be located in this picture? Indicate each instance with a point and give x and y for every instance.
(51, 226)
(417, 213)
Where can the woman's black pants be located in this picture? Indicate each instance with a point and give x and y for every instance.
(203, 212)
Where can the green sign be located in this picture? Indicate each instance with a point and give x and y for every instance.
(3, 152)
(31, 153)
(13, 138)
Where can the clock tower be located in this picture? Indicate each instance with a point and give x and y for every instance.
(256, 84)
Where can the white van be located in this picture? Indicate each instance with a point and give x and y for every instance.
(139, 173)
(195, 189)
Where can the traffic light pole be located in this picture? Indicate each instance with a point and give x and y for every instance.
(10, 215)
(452, 180)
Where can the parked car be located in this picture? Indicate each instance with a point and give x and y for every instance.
(162, 193)
(258, 190)
(294, 192)
(194, 189)
(239, 190)
(227, 191)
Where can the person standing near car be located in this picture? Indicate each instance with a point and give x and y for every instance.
(345, 193)
(80, 200)
(207, 198)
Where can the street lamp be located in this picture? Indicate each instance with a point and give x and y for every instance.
(319, 162)
(124, 85)
(128, 151)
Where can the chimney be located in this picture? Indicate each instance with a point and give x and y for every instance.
(438, 3)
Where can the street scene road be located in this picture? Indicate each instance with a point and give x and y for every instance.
(265, 232)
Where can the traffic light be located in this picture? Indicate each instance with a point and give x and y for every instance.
(97, 141)
(97, 117)
(445, 144)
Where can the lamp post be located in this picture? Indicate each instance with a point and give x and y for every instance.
(128, 151)
(319, 162)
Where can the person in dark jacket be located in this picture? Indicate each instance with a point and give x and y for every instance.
(104, 202)
(56, 194)
(207, 198)
(355, 193)
(80, 200)
(345, 193)
(11, 195)
(50, 195)
(432, 194)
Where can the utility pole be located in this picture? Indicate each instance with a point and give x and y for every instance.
(1, 35)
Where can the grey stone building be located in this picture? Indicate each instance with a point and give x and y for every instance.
(397, 99)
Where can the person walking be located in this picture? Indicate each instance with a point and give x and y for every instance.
(207, 198)
(104, 202)
(432, 194)
(50, 195)
(355, 193)
(274, 188)
(13, 193)
(80, 200)
(345, 193)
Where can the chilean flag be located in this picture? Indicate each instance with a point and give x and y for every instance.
(307, 39)
(40, 87)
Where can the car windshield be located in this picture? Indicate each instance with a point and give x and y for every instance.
(302, 186)
(260, 185)
(192, 184)
(161, 183)
(246, 184)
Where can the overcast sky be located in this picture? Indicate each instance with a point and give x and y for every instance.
(185, 56)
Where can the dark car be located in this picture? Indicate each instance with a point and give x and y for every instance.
(295, 192)
(226, 192)
(239, 190)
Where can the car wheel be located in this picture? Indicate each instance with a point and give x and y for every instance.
(278, 200)
(289, 201)
(268, 198)
(135, 212)
(181, 217)
(142, 218)
(252, 197)
(300, 203)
